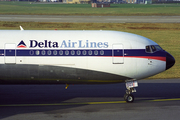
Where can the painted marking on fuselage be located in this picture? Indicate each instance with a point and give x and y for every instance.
(84, 53)
(86, 103)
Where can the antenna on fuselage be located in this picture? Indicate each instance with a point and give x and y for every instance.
(21, 27)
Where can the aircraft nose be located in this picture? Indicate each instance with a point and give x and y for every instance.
(170, 61)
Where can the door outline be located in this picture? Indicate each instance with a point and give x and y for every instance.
(117, 53)
(10, 53)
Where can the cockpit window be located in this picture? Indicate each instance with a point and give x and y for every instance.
(158, 47)
(148, 49)
(153, 48)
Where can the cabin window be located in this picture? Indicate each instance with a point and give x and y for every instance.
(90, 52)
(84, 52)
(67, 52)
(31, 52)
(43, 52)
(54, 52)
(78, 52)
(72, 52)
(60, 52)
(96, 52)
(37, 52)
(49, 52)
(102, 52)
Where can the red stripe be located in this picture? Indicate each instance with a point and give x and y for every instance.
(149, 57)
(145, 57)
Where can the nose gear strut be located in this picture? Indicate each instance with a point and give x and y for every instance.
(130, 84)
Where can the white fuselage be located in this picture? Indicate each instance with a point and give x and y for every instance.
(74, 56)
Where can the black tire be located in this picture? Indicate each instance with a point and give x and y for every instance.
(129, 98)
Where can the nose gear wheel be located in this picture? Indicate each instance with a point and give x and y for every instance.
(129, 98)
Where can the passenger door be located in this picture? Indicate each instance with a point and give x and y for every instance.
(10, 53)
(118, 53)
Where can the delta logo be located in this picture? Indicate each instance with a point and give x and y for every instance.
(21, 45)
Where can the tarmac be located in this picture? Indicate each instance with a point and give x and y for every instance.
(154, 100)
(91, 19)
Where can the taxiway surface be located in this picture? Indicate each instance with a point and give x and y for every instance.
(154, 100)
(91, 19)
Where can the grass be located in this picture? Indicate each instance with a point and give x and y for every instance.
(32, 8)
(165, 34)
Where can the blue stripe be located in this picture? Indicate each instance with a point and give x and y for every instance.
(85, 52)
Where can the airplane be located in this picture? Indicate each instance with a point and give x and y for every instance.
(79, 57)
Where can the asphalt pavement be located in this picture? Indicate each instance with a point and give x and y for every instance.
(154, 100)
(91, 19)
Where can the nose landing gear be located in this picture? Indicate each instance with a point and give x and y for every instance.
(129, 97)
